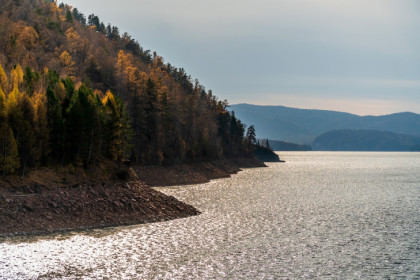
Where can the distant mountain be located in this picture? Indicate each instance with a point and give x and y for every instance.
(303, 125)
(365, 140)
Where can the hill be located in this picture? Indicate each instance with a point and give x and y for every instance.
(74, 91)
(303, 125)
(79, 104)
(365, 140)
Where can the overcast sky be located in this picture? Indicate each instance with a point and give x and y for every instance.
(358, 56)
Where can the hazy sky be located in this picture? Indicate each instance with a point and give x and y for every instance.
(358, 56)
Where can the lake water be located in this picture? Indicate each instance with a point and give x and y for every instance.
(322, 215)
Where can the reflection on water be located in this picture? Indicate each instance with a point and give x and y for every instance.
(319, 215)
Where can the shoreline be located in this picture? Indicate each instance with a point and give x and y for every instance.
(35, 207)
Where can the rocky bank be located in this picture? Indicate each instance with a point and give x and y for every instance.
(54, 200)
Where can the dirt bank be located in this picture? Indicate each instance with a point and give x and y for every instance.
(51, 200)
(194, 173)
(39, 209)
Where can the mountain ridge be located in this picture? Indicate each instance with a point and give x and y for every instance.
(302, 126)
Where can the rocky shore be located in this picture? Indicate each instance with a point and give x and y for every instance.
(49, 200)
(38, 209)
(186, 174)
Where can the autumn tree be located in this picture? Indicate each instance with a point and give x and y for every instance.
(67, 64)
(16, 77)
(4, 81)
(117, 130)
(20, 116)
(41, 129)
(28, 37)
(9, 159)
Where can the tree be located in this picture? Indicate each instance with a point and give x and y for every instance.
(4, 81)
(25, 135)
(28, 37)
(30, 78)
(122, 66)
(20, 117)
(117, 131)
(55, 124)
(9, 159)
(250, 138)
(67, 64)
(41, 130)
(69, 16)
(16, 77)
(79, 16)
(150, 111)
(83, 124)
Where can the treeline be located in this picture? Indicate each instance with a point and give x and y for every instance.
(46, 120)
(78, 91)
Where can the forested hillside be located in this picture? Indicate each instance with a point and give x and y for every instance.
(365, 140)
(74, 90)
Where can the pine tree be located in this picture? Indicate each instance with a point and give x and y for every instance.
(250, 138)
(83, 124)
(55, 124)
(11, 156)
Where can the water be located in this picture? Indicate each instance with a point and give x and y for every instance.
(319, 215)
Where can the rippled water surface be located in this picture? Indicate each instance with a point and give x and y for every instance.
(319, 215)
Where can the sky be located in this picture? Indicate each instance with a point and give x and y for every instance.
(357, 56)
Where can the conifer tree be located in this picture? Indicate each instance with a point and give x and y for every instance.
(11, 160)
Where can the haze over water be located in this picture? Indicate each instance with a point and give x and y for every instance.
(319, 215)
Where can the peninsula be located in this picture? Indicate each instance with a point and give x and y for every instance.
(89, 120)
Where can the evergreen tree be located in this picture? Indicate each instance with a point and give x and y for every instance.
(82, 125)
(10, 157)
(30, 78)
(55, 124)
(250, 138)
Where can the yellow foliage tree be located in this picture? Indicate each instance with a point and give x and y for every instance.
(28, 37)
(12, 100)
(74, 42)
(4, 81)
(41, 129)
(123, 65)
(16, 76)
(67, 64)
(9, 158)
